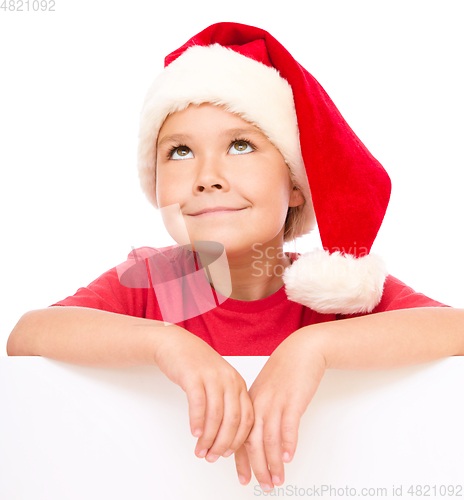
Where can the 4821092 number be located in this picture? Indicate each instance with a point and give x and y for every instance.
(28, 5)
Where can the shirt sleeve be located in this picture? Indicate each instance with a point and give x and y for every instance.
(398, 295)
(107, 293)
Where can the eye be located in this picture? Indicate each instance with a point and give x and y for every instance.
(240, 147)
(180, 153)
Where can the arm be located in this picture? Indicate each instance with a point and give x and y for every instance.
(288, 381)
(88, 337)
(389, 339)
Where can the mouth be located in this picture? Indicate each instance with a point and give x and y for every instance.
(218, 212)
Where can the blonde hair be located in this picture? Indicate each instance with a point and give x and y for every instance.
(295, 221)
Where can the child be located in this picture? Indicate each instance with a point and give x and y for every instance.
(235, 124)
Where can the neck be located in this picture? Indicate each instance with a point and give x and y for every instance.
(254, 274)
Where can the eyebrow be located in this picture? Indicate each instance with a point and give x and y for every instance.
(174, 138)
(225, 133)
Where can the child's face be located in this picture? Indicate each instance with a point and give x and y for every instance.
(209, 157)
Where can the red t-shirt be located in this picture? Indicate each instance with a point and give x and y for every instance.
(167, 284)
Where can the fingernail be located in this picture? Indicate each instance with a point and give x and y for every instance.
(197, 433)
(202, 453)
(228, 453)
(242, 479)
(286, 456)
(276, 479)
(265, 487)
(212, 458)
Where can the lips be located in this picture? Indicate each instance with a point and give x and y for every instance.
(216, 210)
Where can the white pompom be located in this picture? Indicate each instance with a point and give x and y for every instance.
(336, 283)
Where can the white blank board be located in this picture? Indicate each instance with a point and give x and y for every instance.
(73, 432)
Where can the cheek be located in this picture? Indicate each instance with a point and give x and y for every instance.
(272, 187)
(168, 188)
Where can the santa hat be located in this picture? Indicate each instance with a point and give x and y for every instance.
(346, 189)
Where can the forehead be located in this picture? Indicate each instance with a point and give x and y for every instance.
(204, 116)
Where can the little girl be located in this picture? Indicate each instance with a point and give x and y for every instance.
(242, 150)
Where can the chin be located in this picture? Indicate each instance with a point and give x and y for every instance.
(232, 247)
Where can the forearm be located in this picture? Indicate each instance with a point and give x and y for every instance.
(389, 339)
(88, 337)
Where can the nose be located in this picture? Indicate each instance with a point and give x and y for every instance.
(210, 176)
(202, 188)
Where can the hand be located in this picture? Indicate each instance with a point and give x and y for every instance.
(280, 395)
(219, 404)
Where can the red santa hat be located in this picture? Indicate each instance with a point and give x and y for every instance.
(345, 188)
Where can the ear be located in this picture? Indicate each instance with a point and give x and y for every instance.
(296, 198)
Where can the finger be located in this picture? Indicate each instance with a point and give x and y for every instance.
(272, 439)
(213, 418)
(229, 425)
(246, 424)
(290, 425)
(196, 398)
(242, 464)
(255, 448)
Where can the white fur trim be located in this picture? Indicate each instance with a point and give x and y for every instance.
(244, 86)
(336, 283)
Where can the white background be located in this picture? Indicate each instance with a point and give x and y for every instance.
(72, 83)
